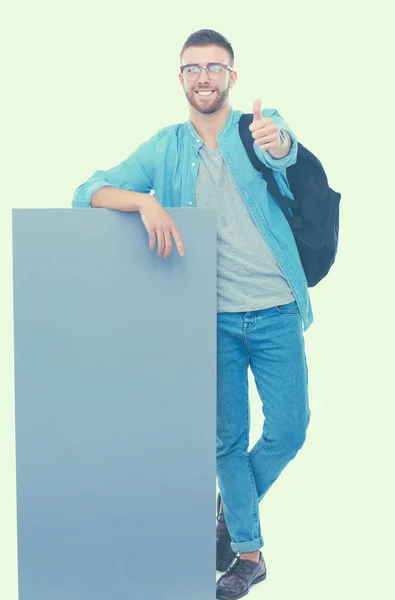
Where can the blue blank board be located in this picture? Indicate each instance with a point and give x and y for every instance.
(115, 383)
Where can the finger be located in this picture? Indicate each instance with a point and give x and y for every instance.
(161, 241)
(178, 240)
(270, 146)
(264, 132)
(151, 239)
(168, 243)
(262, 124)
(266, 139)
(256, 110)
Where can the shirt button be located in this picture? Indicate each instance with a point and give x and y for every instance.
(198, 141)
(193, 164)
(190, 203)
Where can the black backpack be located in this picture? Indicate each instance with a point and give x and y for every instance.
(313, 216)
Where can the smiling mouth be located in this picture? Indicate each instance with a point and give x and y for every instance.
(205, 93)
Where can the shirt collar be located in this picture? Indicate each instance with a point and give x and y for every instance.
(196, 138)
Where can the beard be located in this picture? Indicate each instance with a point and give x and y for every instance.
(207, 107)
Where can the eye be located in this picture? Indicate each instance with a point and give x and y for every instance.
(192, 69)
(215, 68)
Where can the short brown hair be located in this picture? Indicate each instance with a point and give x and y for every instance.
(209, 37)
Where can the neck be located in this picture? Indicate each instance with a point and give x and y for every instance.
(209, 126)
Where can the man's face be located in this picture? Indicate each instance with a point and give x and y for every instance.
(207, 104)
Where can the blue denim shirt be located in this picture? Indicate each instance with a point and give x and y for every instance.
(167, 165)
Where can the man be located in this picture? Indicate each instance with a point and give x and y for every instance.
(263, 301)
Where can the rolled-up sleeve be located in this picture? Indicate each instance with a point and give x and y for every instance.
(134, 174)
(278, 164)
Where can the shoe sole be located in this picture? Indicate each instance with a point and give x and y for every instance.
(258, 580)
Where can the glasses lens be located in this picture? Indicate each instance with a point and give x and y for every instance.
(192, 72)
(216, 71)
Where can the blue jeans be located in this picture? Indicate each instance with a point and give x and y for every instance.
(271, 342)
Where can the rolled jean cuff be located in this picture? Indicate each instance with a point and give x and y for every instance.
(251, 546)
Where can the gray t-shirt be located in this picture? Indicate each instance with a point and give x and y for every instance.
(248, 276)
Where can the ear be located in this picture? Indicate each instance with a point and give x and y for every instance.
(181, 79)
(232, 79)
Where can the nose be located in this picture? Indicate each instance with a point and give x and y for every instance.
(203, 75)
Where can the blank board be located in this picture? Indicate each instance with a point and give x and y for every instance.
(115, 407)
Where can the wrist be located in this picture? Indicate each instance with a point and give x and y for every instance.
(285, 143)
(140, 200)
(284, 137)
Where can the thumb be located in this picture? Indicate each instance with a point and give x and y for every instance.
(257, 110)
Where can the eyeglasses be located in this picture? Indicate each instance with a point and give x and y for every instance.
(214, 70)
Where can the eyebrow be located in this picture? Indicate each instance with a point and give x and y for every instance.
(217, 62)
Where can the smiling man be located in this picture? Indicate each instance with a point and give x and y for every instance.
(207, 97)
(263, 303)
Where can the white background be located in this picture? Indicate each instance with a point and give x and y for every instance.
(85, 82)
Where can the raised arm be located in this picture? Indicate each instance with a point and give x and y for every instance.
(279, 156)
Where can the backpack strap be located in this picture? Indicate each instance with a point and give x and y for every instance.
(287, 205)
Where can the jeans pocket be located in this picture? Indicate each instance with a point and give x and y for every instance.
(288, 309)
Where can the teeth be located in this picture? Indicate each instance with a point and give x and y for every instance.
(206, 93)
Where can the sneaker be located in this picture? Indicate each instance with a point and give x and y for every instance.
(225, 554)
(240, 577)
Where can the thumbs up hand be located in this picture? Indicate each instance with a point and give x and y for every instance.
(264, 131)
(257, 110)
